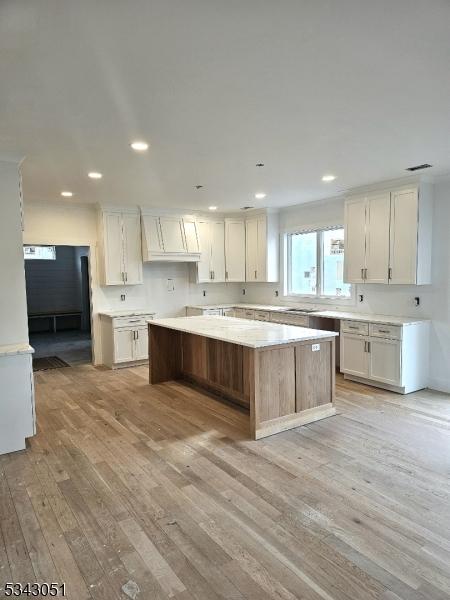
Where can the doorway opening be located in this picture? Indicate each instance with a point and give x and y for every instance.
(59, 305)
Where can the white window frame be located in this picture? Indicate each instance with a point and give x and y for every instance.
(318, 296)
(30, 257)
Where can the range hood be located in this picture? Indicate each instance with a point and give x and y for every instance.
(169, 238)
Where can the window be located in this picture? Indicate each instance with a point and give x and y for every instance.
(315, 265)
(39, 252)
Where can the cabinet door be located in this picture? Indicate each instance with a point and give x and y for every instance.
(261, 266)
(354, 358)
(123, 345)
(251, 250)
(355, 241)
(385, 360)
(377, 238)
(217, 233)
(204, 264)
(172, 233)
(113, 249)
(404, 224)
(132, 249)
(190, 233)
(141, 343)
(235, 250)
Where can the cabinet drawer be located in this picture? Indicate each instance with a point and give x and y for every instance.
(298, 320)
(262, 315)
(248, 314)
(393, 332)
(355, 327)
(216, 312)
(136, 321)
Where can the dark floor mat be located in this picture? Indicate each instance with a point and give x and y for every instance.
(48, 362)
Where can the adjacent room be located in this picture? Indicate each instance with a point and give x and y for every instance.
(58, 303)
(225, 300)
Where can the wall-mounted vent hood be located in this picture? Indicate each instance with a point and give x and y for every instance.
(169, 238)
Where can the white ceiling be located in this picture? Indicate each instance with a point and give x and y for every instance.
(358, 88)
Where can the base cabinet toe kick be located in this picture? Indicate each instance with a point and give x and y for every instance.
(283, 386)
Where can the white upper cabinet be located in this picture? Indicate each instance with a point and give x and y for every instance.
(251, 250)
(169, 238)
(234, 250)
(131, 231)
(218, 250)
(262, 248)
(211, 267)
(120, 247)
(388, 237)
(377, 238)
(410, 240)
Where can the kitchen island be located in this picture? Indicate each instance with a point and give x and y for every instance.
(284, 375)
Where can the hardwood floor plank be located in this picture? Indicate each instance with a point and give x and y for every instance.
(158, 488)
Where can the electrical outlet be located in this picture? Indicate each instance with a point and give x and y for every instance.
(122, 297)
(243, 291)
(417, 301)
(204, 292)
(361, 297)
(276, 294)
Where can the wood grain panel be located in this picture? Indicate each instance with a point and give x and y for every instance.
(195, 359)
(225, 364)
(276, 383)
(165, 349)
(314, 380)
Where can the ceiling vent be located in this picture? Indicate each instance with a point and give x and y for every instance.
(246, 207)
(419, 167)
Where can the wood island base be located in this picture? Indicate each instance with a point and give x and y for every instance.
(282, 386)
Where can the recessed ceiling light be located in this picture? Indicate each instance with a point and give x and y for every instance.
(139, 146)
(328, 177)
(260, 195)
(67, 194)
(95, 175)
(212, 207)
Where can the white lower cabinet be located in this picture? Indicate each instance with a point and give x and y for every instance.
(391, 356)
(354, 358)
(124, 339)
(123, 345)
(385, 360)
(17, 409)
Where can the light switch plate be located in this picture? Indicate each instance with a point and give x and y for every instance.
(170, 285)
(315, 347)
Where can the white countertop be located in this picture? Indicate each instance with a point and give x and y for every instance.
(14, 349)
(253, 334)
(330, 314)
(352, 316)
(126, 313)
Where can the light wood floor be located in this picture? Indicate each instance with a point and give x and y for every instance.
(154, 493)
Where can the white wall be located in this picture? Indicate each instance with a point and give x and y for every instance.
(13, 306)
(384, 299)
(77, 226)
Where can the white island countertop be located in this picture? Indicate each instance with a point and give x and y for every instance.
(137, 312)
(253, 334)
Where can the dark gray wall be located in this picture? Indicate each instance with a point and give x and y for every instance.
(54, 285)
